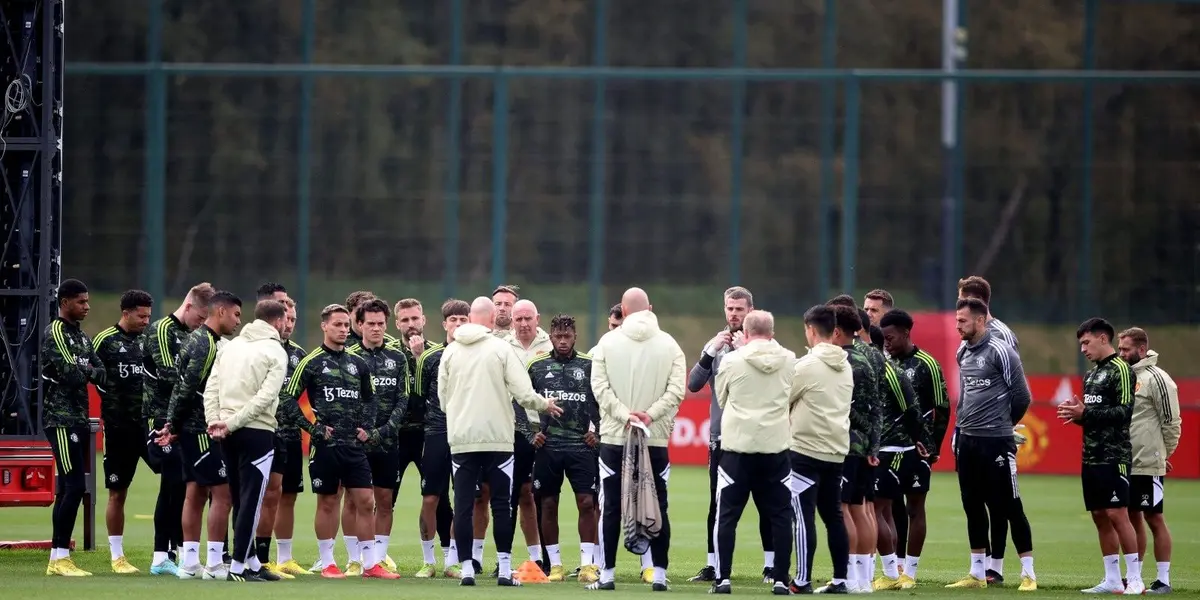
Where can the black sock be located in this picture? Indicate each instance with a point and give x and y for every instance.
(262, 547)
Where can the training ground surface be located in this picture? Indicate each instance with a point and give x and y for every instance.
(1064, 540)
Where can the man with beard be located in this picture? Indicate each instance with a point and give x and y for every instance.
(738, 302)
(504, 297)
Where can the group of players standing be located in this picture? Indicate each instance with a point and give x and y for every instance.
(376, 402)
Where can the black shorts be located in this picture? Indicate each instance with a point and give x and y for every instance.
(894, 475)
(1105, 486)
(922, 473)
(331, 466)
(1147, 494)
(435, 464)
(857, 478)
(164, 460)
(69, 445)
(291, 462)
(411, 447)
(385, 467)
(123, 449)
(203, 461)
(523, 457)
(581, 468)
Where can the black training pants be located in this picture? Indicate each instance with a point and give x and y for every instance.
(612, 461)
(764, 522)
(248, 457)
(767, 478)
(70, 447)
(817, 487)
(987, 481)
(496, 470)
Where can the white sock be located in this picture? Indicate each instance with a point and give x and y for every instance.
(253, 562)
(660, 575)
(1027, 567)
(237, 568)
(587, 554)
(851, 573)
(978, 570)
(607, 575)
(366, 554)
(477, 551)
(505, 561)
(215, 549)
(712, 559)
(191, 554)
(555, 553)
(381, 546)
(535, 552)
(1112, 571)
(284, 552)
(468, 569)
(1133, 567)
(351, 543)
(427, 552)
(60, 553)
(865, 567)
(910, 565)
(158, 558)
(116, 546)
(997, 565)
(451, 555)
(1164, 572)
(325, 552)
(768, 559)
(889, 567)
(648, 561)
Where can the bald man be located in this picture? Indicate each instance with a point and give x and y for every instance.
(638, 374)
(478, 378)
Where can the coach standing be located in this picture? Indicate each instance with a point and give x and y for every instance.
(478, 378)
(240, 399)
(638, 373)
(753, 386)
(993, 396)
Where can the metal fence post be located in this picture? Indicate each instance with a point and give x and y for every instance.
(596, 197)
(850, 184)
(304, 162)
(954, 35)
(828, 119)
(154, 210)
(499, 176)
(453, 151)
(1086, 300)
(737, 142)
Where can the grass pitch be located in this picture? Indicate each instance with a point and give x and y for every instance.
(1065, 547)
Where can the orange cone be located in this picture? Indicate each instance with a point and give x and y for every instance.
(530, 572)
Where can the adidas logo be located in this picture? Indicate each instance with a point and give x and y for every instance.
(122, 350)
(1115, 498)
(549, 375)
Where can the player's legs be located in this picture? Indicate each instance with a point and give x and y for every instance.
(356, 478)
(708, 573)
(522, 501)
(251, 452)
(123, 449)
(67, 444)
(772, 495)
(660, 547)
(349, 520)
(466, 470)
(219, 507)
(324, 474)
(1004, 504)
(498, 472)
(548, 472)
(733, 492)
(610, 461)
(1162, 546)
(385, 473)
(581, 470)
(479, 523)
(1106, 497)
(914, 506)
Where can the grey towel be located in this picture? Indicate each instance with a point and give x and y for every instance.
(641, 518)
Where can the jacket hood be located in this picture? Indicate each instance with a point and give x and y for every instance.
(640, 326)
(831, 355)
(539, 337)
(766, 355)
(259, 330)
(470, 333)
(1150, 361)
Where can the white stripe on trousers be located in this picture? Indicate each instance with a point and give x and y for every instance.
(799, 485)
(605, 473)
(264, 470)
(723, 481)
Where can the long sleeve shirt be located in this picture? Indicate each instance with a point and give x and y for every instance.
(121, 393)
(993, 394)
(68, 364)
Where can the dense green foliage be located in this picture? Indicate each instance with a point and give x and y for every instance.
(379, 171)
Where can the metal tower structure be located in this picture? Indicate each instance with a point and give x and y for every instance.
(31, 125)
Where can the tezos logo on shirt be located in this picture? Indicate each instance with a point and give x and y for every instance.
(334, 393)
(125, 370)
(1092, 399)
(385, 381)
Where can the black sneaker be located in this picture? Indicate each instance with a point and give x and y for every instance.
(467, 580)
(246, 576)
(833, 588)
(605, 586)
(721, 587)
(496, 572)
(507, 582)
(659, 587)
(800, 589)
(266, 575)
(705, 574)
(767, 578)
(1158, 587)
(781, 589)
(994, 578)
(225, 558)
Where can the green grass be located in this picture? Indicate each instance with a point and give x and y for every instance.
(690, 313)
(1065, 547)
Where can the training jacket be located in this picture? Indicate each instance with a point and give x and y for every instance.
(638, 367)
(822, 389)
(753, 386)
(243, 386)
(1156, 424)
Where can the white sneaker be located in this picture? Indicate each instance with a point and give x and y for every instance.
(1135, 587)
(189, 571)
(1104, 587)
(219, 573)
(317, 567)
